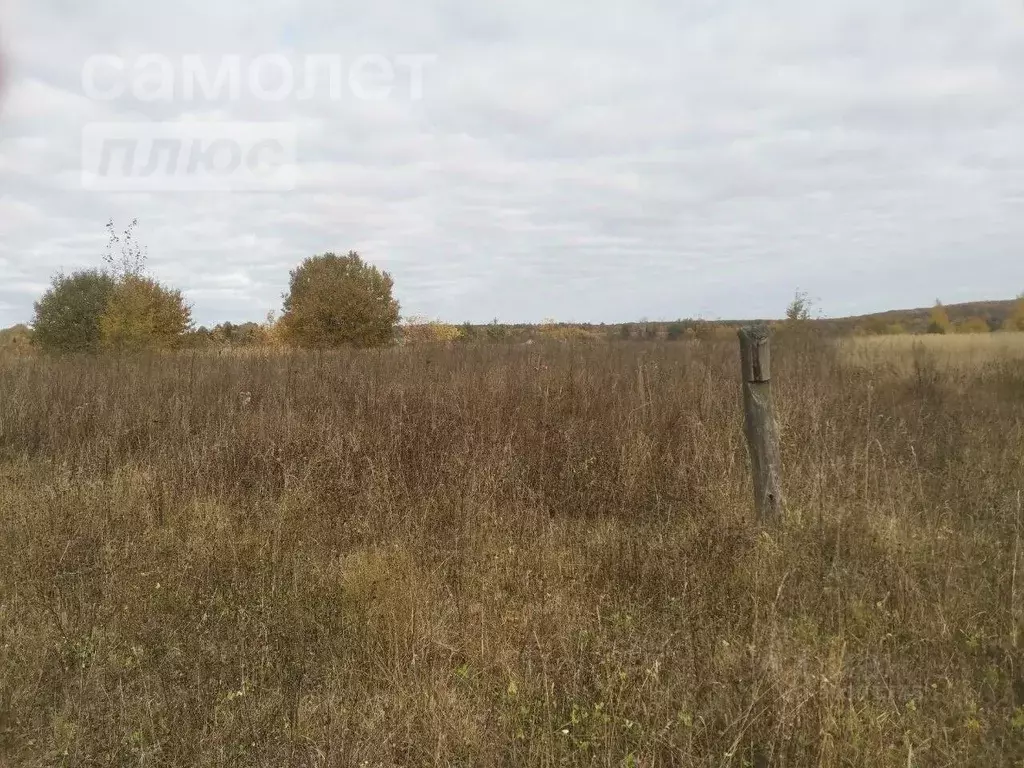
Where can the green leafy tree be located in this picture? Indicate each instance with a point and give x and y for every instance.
(496, 331)
(799, 308)
(143, 314)
(67, 317)
(336, 301)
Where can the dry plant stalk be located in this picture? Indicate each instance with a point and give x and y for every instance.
(535, 555)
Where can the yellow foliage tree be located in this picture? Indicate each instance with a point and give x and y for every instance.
(1015, 320)
(552, 330)
(445, 332)
(938, 319)
(16, 341)
(272, 331)
(143, 314)
(973, 325)
(420, 330)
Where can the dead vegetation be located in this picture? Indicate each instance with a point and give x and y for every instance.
(950, 352)
(511, 556)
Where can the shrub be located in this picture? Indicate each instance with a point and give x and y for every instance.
(973, 325)
(938, 320)
(675, 331)
(799, 309)
(16, 340)
(143, 314)
(67, 317)
(1015, 321)
(116, 308)
(336, 301)
(417, 330)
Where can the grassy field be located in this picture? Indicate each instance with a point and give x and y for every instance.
(509, 556)
(902, 352)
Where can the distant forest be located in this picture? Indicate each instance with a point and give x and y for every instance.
(978, 316)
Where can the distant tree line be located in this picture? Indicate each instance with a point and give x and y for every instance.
(340, 300)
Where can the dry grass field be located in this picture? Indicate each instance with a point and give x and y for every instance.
(898, 353)
(509, 556)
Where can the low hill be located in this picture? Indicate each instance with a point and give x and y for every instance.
(916, 320)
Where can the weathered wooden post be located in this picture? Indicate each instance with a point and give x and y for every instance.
(759, 420)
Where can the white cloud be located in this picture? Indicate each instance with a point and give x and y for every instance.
(587, 161)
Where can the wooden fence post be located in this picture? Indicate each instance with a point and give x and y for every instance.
(759, 421)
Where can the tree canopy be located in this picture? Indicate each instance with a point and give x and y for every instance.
(143, 314)
(336, 301)
(116, 308)
(67, 317)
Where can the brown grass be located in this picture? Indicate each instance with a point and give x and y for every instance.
(899, 352)
(507, 556)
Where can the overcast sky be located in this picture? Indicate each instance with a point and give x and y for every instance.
(597, 161)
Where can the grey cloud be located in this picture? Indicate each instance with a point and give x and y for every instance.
(597, 162)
